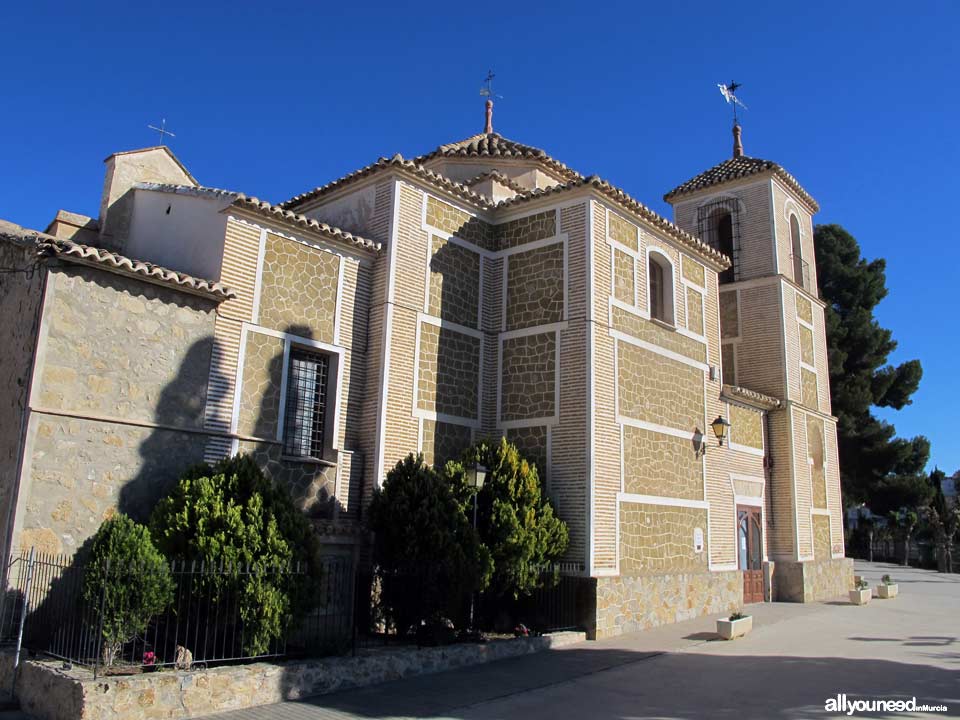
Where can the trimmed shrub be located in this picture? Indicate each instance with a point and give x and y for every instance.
(515, 519)
(428, 555)
(234, 516)
(127, 582)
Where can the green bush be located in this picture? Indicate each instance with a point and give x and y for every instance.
(233, 516)
(515, 519)
(428, 555)
(127, 581)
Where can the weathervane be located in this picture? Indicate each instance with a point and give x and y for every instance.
(728, 92)
(162, 130)
(487, 92)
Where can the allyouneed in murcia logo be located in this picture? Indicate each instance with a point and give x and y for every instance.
(849, 706)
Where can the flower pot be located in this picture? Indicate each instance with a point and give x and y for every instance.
(860, 597)
(730, 629)
(887, 591)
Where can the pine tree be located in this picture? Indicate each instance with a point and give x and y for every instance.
(871, 457)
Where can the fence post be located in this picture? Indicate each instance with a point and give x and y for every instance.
(98, 644)
(355, 580)
(23, 618)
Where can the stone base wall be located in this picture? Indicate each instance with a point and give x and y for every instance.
(47, 692)
(629, 604)
(812, 580)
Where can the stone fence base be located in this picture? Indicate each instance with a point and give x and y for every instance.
(812, 580)
(629, 604)
(48, 692)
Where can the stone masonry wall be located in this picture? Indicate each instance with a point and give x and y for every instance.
(650, 332)
(20, 297)
(454, 282)
(746, 426)
(822, 547)
(118, 407)
(449, 371)
(659, 390)
(444, 441)
(632, 604)
(535, 287)
(659, 538)
(528, 387)
(659, 464)
(299, 287)
(813, 580)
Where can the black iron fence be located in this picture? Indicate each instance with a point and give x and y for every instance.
(208, 616)
(49, 609)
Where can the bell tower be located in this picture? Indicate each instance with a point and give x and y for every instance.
(773, 341)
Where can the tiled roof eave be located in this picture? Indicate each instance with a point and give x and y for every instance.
(703, 181)
(266, 209)
(79, 254)
(301, 222)
(750, 397)
(399, 164)
(713, 258)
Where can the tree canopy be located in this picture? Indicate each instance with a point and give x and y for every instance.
(872, 460)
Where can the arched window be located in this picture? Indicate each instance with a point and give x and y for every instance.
(718, 225)
(660, 274)
(799, 266)
(724, 225)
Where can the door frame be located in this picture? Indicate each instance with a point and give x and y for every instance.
(751, 508)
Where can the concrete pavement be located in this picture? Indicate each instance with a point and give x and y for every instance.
(796, 658)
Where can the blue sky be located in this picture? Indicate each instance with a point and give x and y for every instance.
(859, 100)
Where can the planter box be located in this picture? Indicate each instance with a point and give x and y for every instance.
(887, 591)
(860, 597)
(730, 629)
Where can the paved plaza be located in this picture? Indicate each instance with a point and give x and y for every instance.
(796, 658)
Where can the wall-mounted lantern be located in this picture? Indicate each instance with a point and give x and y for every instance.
(720, 426)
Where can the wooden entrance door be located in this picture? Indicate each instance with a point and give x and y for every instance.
(750, 552)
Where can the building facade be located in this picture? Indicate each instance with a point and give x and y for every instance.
(483, 289)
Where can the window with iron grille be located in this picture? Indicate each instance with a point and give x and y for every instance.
(718, 225)
(306, 404)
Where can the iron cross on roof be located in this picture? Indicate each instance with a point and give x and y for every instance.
(729, 94)
(162, 130)
(487, 92)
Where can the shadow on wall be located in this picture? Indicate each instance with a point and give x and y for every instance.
(615, 683)
(166, 453)
(312, 485)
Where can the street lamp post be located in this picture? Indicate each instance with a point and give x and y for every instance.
(477, 476)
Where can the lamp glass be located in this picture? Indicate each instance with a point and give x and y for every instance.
(720, 426)
(479, 475)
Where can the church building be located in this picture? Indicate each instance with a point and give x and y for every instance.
(668, 378)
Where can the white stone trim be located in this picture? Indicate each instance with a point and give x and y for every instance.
(449, 325)
(744, 448)
(591, 421)
(258, 278)
(619, 335)
(338, 311)
(387, 331)
(820, 511)
(333, 248)
(534, 330)
(654, 427)
(288, 341)
(554, 419)
(651, 250)
(445, 418)
(661, 500)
